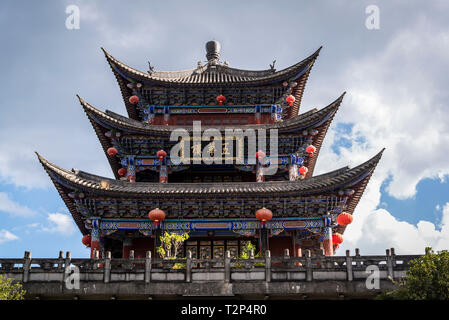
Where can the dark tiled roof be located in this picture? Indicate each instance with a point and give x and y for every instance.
(344, 177)
(102, 121)
(294, 124)
(213, 74)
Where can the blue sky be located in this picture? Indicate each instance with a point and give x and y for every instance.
(395, 78)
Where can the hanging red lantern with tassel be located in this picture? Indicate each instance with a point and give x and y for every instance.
(112, 151)
(156, 215)
(260, 155)
(134, 99)
(264, 215)
(122, 172)
(337, 238)
(311, 150)
(86, 240)
(344, 218)
(221, 99)
(303, 171)
(161, 154)
(290, 99)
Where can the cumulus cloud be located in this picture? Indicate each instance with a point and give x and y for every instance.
(6, 236)
(59, 223)
(9, 206)
(396, 99)
(381, 230)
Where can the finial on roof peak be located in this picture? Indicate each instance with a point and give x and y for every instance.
(213, 51)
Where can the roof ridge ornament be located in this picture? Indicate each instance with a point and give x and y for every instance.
(150, 68)
(213, 52)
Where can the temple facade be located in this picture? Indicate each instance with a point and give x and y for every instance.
(218, 152)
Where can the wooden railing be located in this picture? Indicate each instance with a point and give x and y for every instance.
(286, 268)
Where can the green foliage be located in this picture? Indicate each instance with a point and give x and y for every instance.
(170, 244)
(427, 279)
(178, 266)
(246, 251)
(246, 254)
(10, 290)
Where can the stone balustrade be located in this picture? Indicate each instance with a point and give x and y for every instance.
(279, 276)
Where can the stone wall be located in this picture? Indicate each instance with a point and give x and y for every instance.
(289, 277)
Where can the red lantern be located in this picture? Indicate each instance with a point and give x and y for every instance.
(264, 215)
(290, 99)
(221, 99)
(260, 155)
(156, 215)
(134, 99)
(112, 151)
(337, 238)
(161, 154)
(310, 149)
(86, 240)
(303, 170)
(344, 218)
(122, 172)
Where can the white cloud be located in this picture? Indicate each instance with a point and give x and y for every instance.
(5, 236)
(59, 223)
(380, 230)
(397, 99)
(9, 206)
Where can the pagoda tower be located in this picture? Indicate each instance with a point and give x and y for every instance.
(218, 152)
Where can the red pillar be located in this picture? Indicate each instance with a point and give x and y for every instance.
(327, 242)
(95, 243)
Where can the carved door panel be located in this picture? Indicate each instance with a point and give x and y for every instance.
(218, 253)
(205, 251)
(192, 247)
(233, 247)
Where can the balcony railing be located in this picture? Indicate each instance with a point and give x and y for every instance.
(270, 269)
